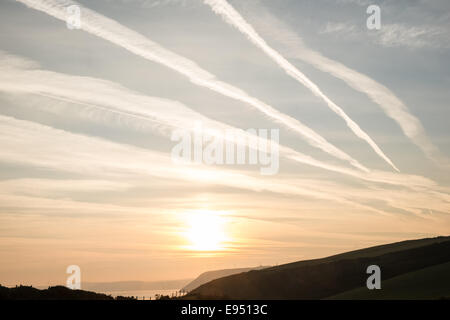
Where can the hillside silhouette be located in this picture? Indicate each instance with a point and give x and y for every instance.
(52, 293)
(414, 269)
(328, 277)
(215, 274)
(428, 283)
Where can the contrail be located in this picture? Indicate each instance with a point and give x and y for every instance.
(19, 75)
(230, 15)
(136, 43)
(391, 105)
(22, 76)
(39, 145)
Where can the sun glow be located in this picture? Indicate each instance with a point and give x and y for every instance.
(206, 230)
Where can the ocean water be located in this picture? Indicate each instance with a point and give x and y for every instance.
(141, 294)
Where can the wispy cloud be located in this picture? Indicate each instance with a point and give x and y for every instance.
(25, 142)
(223, 8)
(29, 143)
(43, 187)
(38, 145)
(377, 92)
(161, 116)
(19, 75)
(136, 43)
(392, 35)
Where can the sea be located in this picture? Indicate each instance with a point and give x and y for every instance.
(141, 294)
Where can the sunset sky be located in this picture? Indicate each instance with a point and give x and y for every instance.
(86, 117)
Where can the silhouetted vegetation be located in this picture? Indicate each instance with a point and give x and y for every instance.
(52, 293)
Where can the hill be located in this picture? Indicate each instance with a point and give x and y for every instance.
(428, 283)
(215, 274)
(52, 293)
(330, 276)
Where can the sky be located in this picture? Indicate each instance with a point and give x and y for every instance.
(87, 117)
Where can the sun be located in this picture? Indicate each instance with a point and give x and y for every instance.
(206, 230)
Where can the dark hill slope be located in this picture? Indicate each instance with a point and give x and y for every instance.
(428, 283)
(52, 293)
(215, 274)
(322, 278)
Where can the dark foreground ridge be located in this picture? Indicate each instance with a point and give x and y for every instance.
(52, 293)
(208, 276)
(415, 269)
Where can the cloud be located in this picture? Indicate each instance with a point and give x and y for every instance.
(163, 115)
(140, 111)
(392, 35)
(136, 43)
(230, 15)
(39, 187)
(25, 142)
(391, 105)
(33, 144)
(29, 143)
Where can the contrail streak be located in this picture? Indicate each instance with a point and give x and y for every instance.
(391, 105)
(136, 43)
(39, 145)
(22, 76)
(230, 15)
(19, 75)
